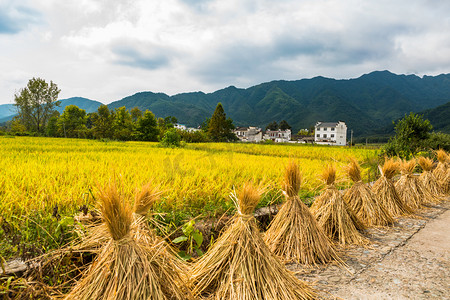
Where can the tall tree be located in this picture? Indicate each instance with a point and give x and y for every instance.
(36, 102)
(102, 122)
(136, 114)
(272, 126)
(123, 124)
(147, 128)
(219, 127)
(411, 135)
(72, 122)
(284, 125)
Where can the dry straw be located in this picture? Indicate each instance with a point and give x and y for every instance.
(428, 179)
(363, 202)
(442, 171)
(385, 192)
(294, 234)
(335, 216)
(410, 188)
(132, 263)
(240, 265)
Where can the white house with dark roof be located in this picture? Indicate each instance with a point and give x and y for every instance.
(278, 136)
(331, 133)
(249, 134)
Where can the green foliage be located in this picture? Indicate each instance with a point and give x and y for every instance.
(171, 138)
(72, 122)
(102, 121)
(193, 238)
(439, 140)
(136, 114)
(284, 125)
(272, 126)
(220, 128)
(411, 134)
(123, 124)
(36, 103)
(198, 136)
(147, 128)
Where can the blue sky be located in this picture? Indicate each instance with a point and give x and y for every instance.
(106, 50)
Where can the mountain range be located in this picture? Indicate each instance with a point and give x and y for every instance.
(366, 104)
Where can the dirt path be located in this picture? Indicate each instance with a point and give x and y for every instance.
(408, 261)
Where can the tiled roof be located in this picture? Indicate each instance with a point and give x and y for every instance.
(329, 124)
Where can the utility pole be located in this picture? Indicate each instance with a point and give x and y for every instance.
(351, 138)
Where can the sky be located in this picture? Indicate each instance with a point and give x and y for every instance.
(106, 50)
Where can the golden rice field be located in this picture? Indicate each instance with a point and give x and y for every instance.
(39, 173)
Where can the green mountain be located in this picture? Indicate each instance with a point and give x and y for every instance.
(367, 103)
(7, 110)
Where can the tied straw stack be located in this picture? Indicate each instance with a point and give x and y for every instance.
(363, 202)
(294, 234)
(240, 265)
(132, 263)
(410, 188)
(429, 181)
(335, 216)
(442, 171)
(385, 192)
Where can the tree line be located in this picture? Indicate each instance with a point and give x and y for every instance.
(37, 115)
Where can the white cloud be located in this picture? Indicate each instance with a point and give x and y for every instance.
(106, 50)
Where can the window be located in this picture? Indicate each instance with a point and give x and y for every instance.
(324, 129)
(332, 128)
(324, 135)
(318, 135)
(332, 135)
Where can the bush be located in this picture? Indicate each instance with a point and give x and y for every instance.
(171, 138)
(194, 136)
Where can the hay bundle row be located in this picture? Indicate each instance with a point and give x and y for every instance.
(442, 171)
(132, 262)
(294, 234)
(410, 188)
(334, 215)
(385, 192)
(429, 181)
(363, 202)
(240, 265)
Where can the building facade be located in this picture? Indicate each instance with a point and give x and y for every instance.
(278, 136)
(331, 133)
(248, 134)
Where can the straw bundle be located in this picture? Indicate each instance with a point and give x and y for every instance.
(294, 234)
(240, 265)
(335, 216)
(385, 192)
(363, 202)
(428, 179)
(127, 266)
(442, 171)
(410, 188)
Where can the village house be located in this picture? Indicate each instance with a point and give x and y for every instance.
(331, 133)
(248, 134)
(278, 136)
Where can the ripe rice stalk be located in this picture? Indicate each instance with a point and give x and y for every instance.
(335, 216)
(127, 265)
(428, 179)
(442, 171)
(294, 235)
(385, 192)
(410, 188)
(240, 265)
(363, 202)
